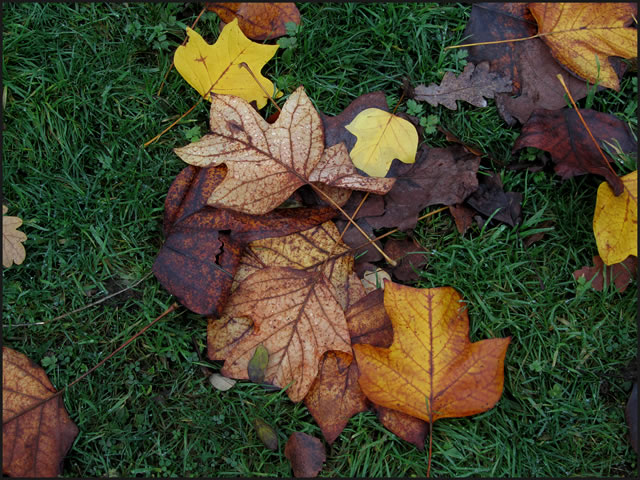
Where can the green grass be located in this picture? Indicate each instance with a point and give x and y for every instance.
(81, 82)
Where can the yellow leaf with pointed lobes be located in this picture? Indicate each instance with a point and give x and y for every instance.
(217, 68)
(382, 137)
(615, 221)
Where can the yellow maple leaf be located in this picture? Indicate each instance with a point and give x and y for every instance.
(584, 35)
(382, 137)
(615, 221)
(12, 249)
(217, 68)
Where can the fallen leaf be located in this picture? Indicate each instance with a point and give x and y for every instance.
(266, 162)
(259, 21)
(12, 248)
(440, 176)
(203, 245)
(296, 317)
(472, 86)
(224, 333)
(368, 321)
(562, 134)
(258, 364)
(615, 220)
(491, 197)
(529, 64)
(220, 382)
(382, 137)
(438, 371)
(536, 237)
(373, 280)
(35, 442)
(365, 252)
(631, 415)
(410, 257)
(410, 429)
(463, 216)
(306, 454)
(266, 434)
(583, 36)
(217, 68)
(620, 274)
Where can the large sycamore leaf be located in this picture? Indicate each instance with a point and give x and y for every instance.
(12, 248)
(296, 317)
(382, 137)
(474, 84)
(257, 20)
(267, 162)
(34, 442)
(582, 36)
(615, 220)
(431, 370)
(217, 68)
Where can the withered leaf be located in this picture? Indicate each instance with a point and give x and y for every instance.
(631, 415)
(374, 279)
(619, 274)
(12, 248)
(410, 257)
(463, 216)
(491, 196)
(368, 321)
(259, 21)
(306, 454)
(365, 252)
(258, 364)
(296, 317)
(529, 64)
(220, 382)
(562, 134)
(35, 442)
(203, 245)
(473, 85)
(266, 434)
(266, 162)
(410, 429)
(439, 176)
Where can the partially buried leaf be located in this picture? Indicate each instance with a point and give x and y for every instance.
(258, 364)
(296, 317)
(382, 137)
(474, 84)
(491, 198)
(306, 454)
(582, 36)
(618, 274)
(260, 21)
(615, 220)
(203, 245)
(266, 434)
(217, 68)
(12, 248)
(431, 361)
(267, 162)
(220, 382)
(35, 440)
(563, 135)
(529, 64)
(410, 257)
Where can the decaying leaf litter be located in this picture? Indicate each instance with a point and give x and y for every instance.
(316, 281)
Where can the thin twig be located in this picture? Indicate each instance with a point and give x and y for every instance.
(173, 124)
(98, 302)
(244, 65)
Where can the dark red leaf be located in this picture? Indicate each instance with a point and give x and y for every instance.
(404, 252)
(620, 274)
(306, 454)
(490, 197)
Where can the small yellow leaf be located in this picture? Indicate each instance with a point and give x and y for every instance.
(12, 249)
(217, 68)
(382, 137)
(615, 221)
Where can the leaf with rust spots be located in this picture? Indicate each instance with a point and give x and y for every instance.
(491, 197)
(440, 176)
(224, 334)
(615, 220)
(408, 428)
(620, 274)
(34, 442)
(563, 135)
(431, 361)
(266, 162)
(529, 64)
(582, 36)
(203, 245)
(296, 317)
(259, 21)
(473, 85)
(217, 68)
(306, 454)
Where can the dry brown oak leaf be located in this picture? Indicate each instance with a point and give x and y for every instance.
(563, 135)
(203, 245)
(431, 370)
(34, 442)
(529, 64)
(296, 317)
(474, 84)
(267, 162)
(12, 248)
(259, 21)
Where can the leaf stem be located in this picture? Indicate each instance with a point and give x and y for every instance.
(244, 65)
